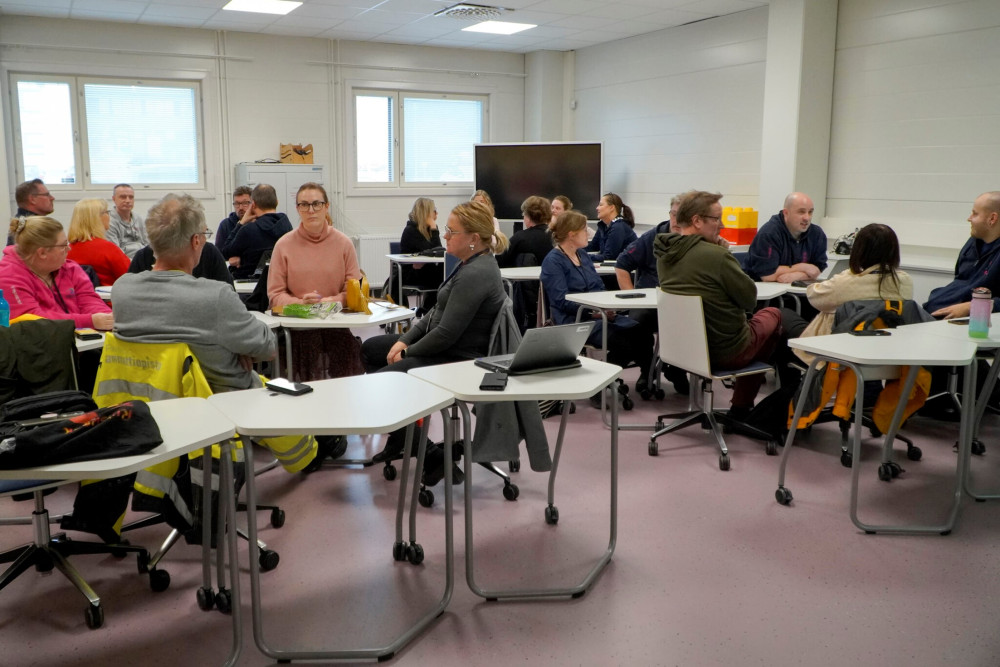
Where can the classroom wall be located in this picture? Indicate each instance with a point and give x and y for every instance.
(677, 109)
(262, 90)
(916, 118)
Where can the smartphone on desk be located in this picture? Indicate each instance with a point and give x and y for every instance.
(493, 382)
(870, 332)
(628, 295)
(283, 386)
(959, 320)
(88, 334)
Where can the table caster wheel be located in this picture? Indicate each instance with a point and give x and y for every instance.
(142, 562)
(159, 580)
(783, 496)
(399, 551)
(846, 458)
(914, 453)
(515, 465)
(885, 472)
(654, 448)
(94, 616)
(724, 462)
(268, 560)
(425, 498)
(659, 394)
(978, 448)
(206, 598)
(277, 518)
(771, 448)
(511, 492)
(415, 554)
(552, 515)
(389, 472)
(627, 403)
(224, 601)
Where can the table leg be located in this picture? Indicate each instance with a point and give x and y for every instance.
(984, 397)
(573, 591)
(227, 515)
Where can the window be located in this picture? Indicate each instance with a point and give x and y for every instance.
(75, 131)
(406, 138)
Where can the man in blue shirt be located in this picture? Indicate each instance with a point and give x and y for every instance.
(978, 263)
(788, 247)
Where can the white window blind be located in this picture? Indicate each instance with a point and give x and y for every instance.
(45, 114)
(439, 136)
(373, 114)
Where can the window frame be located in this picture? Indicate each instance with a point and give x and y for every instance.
(400, 185)
(81, 145)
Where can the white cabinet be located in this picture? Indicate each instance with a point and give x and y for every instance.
(286, 179)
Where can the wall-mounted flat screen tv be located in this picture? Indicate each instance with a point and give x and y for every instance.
(511, 173)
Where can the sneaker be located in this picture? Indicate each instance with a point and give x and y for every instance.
(327, 446)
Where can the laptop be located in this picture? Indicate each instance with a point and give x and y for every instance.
(543, 349)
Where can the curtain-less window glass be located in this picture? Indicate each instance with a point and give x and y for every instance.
(46, 120)
(141, 134)
(373, 114)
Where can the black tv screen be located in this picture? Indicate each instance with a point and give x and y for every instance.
(511, 173)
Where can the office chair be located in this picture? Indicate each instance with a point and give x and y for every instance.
(52, 342)
(682, 322)
(155, 371)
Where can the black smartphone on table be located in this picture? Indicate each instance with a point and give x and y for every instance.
(283, 386)
(493, 382)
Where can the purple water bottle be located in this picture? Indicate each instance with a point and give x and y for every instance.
(979, 313)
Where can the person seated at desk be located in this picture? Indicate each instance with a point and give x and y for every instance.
(313, 265)
(692, 263)
(259, 229)
(615, 229)
(459, 326)
(568, 269)
(37, 278)
(228, 225)
(788, 247)
(978, 263)
(421, 233)
(170, 305)
(87, 243)
(528, 247)
(211, 265)
(559, 205)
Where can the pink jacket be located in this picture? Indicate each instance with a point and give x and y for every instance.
(73, 298)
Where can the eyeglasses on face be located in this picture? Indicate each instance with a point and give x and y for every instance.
(310, 205)
(238, 204)
(710, 217)
(60, 246)
(451, 232)
(206, 233)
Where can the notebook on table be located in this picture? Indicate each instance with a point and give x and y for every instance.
(543, 349)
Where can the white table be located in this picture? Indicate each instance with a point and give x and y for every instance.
(990, 344)
(864, 355)
(342, 406)
(462, 380)
(411, 259)
(186, 425)
(104, 291)
(244, 286)
(90, 344)
(768, 291)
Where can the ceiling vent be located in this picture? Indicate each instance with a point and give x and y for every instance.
(468, 12)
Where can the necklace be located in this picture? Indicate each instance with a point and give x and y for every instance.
(572, 258)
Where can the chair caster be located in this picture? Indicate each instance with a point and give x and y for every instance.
(224, 601)
(142, 562)
(159, 580)
(206, 598)
(389, 472)
(771, 448)
(783, 496)
(914, 453)
(978, 448)
(425, 498)
(268, 560)
(514, 466)
(415, 554)
(889, 470)
(277, 518)
(399, 551)
(654, 448)
(552, 515)
(659, 394)
(846, 458)
(627, 403)
(94, 616)
(511, 492)
(724, 462)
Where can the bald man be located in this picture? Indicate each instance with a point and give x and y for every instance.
(978, 262)
(788, 247)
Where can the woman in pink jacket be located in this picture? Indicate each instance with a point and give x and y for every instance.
(38, 279)
(312, 264)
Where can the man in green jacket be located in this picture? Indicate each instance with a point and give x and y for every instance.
(691, 263)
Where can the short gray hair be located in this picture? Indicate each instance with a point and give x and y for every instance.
(172, 222)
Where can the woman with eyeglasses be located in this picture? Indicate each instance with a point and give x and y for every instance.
(37, 278)
(459, 326)
(420, 235)
(88, 245)
(312, 264)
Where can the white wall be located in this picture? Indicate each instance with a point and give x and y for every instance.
(259, 91)
(677, 109)
(916, 118)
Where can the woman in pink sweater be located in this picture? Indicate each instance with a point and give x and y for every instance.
(312, 265)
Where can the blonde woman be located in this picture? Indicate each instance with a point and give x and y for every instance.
(420, 234)
(88, 244)
(38, 279)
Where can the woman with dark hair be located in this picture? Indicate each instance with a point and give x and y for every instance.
(615, 229)
(420, 234)
(567, 270)
(873, 274)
